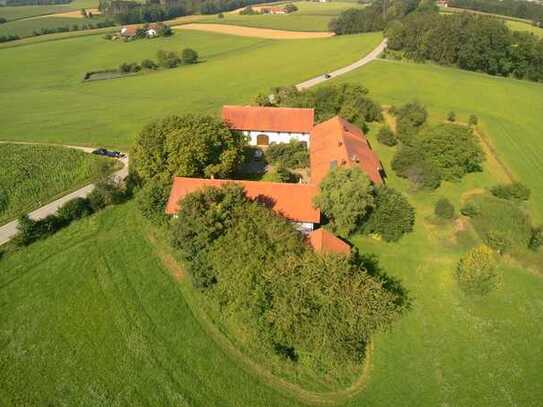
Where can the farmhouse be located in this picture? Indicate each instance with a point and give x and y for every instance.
(131, 31)
(266, 125)
(332, 144)
(273, 10)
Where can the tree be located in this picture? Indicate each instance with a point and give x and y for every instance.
(476, 272)
(168, 59)
(392, 216)
(473, 120)
(4, 201)
(151, 201)
(290, 8)
(386, 136)
(148, 64)
(187, 146)
(514, 191)
(189, 56)
(451, 116)
(345, 197)
(409, 162)
(537, 238)
(444, 209)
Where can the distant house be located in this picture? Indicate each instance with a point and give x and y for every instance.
(129, 31)
(442, 3)
(151, 30)
(273, 10)
(267, 125)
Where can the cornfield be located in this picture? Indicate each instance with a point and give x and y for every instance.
(33, 175)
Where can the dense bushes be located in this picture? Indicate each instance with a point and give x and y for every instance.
(513, 191)
(105, 193)
(501, 224)
(476, 272)
(9, 37)
(345, 198)
(350, 101)
(189, 56)
(392, 216)
(190, 146)
(4, 201)
(132, 12)
(471, 42)
(429, 154)
(74, 27)
(255, 273)
(386, 136)
(291, 155)
(151, 201)
(512, 8)
(444, 209)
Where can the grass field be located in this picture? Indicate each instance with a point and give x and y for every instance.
(25, 28)
(48, 101)
(309, 17)
(19, 12)
(520, 26)
(32, 175)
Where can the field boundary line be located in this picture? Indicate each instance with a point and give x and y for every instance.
(250, 366)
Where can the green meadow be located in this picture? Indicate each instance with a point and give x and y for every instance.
(19, 12)
(25, 27)
(309, 17)
(520, 26)
(33, 175)
(49, 102)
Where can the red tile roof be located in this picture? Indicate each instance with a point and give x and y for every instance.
(323, 241)
(292, 201)
(336, 142)
(285, 119)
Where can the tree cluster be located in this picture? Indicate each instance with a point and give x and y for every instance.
(530, 10)
(290, 155)
(348, 100)
(74, 27)
(133, 12)
(430, 154)
(34, 2)
(351, 203)
(189, 146)
(254, 271)
(513, 191)
(471, 42)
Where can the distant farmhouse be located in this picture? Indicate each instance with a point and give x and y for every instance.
(149, 30)
(332, 144)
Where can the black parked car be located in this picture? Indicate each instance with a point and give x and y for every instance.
(108, 153)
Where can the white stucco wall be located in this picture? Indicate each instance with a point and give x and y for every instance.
(277, 137)
(305, 228)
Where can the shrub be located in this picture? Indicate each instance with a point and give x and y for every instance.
(281, 174)
(105, 193)
(168, 59)
(291, 155)
(392, 216)
(537, 238)
(128, 68)
(290, 8)
(386, 136)
(151, 201)
(220, 15)
(189, 56)
(26, 231)
(408, 162)
(444, 209)
(345, 197)
(4, 201)
(413, 113)
(3, 20)
(148, 64)
(513, 191)
(165, 31)
(74, 209)
(473, 120)
(451, 116)
(476, 272)
(106, 36)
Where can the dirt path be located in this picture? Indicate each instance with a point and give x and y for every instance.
(9, 230)
(254, 32)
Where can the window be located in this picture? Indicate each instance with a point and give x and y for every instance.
(262, 140)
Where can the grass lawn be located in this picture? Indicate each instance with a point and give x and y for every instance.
(32, 175)
(508, 110)
(49, 102)
(309, 17)
(520, 26)
(93, 319)
(25, 28)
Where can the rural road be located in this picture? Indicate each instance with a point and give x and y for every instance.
(9, 230)
(342, 71)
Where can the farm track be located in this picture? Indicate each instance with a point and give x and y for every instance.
(9, 230)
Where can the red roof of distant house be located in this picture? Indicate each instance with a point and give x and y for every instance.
(129, 30)
(292, 201)
(336, 142)
(285, 119)
(323, 241)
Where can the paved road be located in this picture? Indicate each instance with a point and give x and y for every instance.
(342, 71)
(8, 231)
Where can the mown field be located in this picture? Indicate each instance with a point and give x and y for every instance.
(49, 102)
(33, 175)
(26, 27)
(19, 12)
(309, 17)
(520, 26)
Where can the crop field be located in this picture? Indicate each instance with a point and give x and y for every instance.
(19, 12)
(309, 17)
(33, 175)
(233, 70)
(25, 28)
